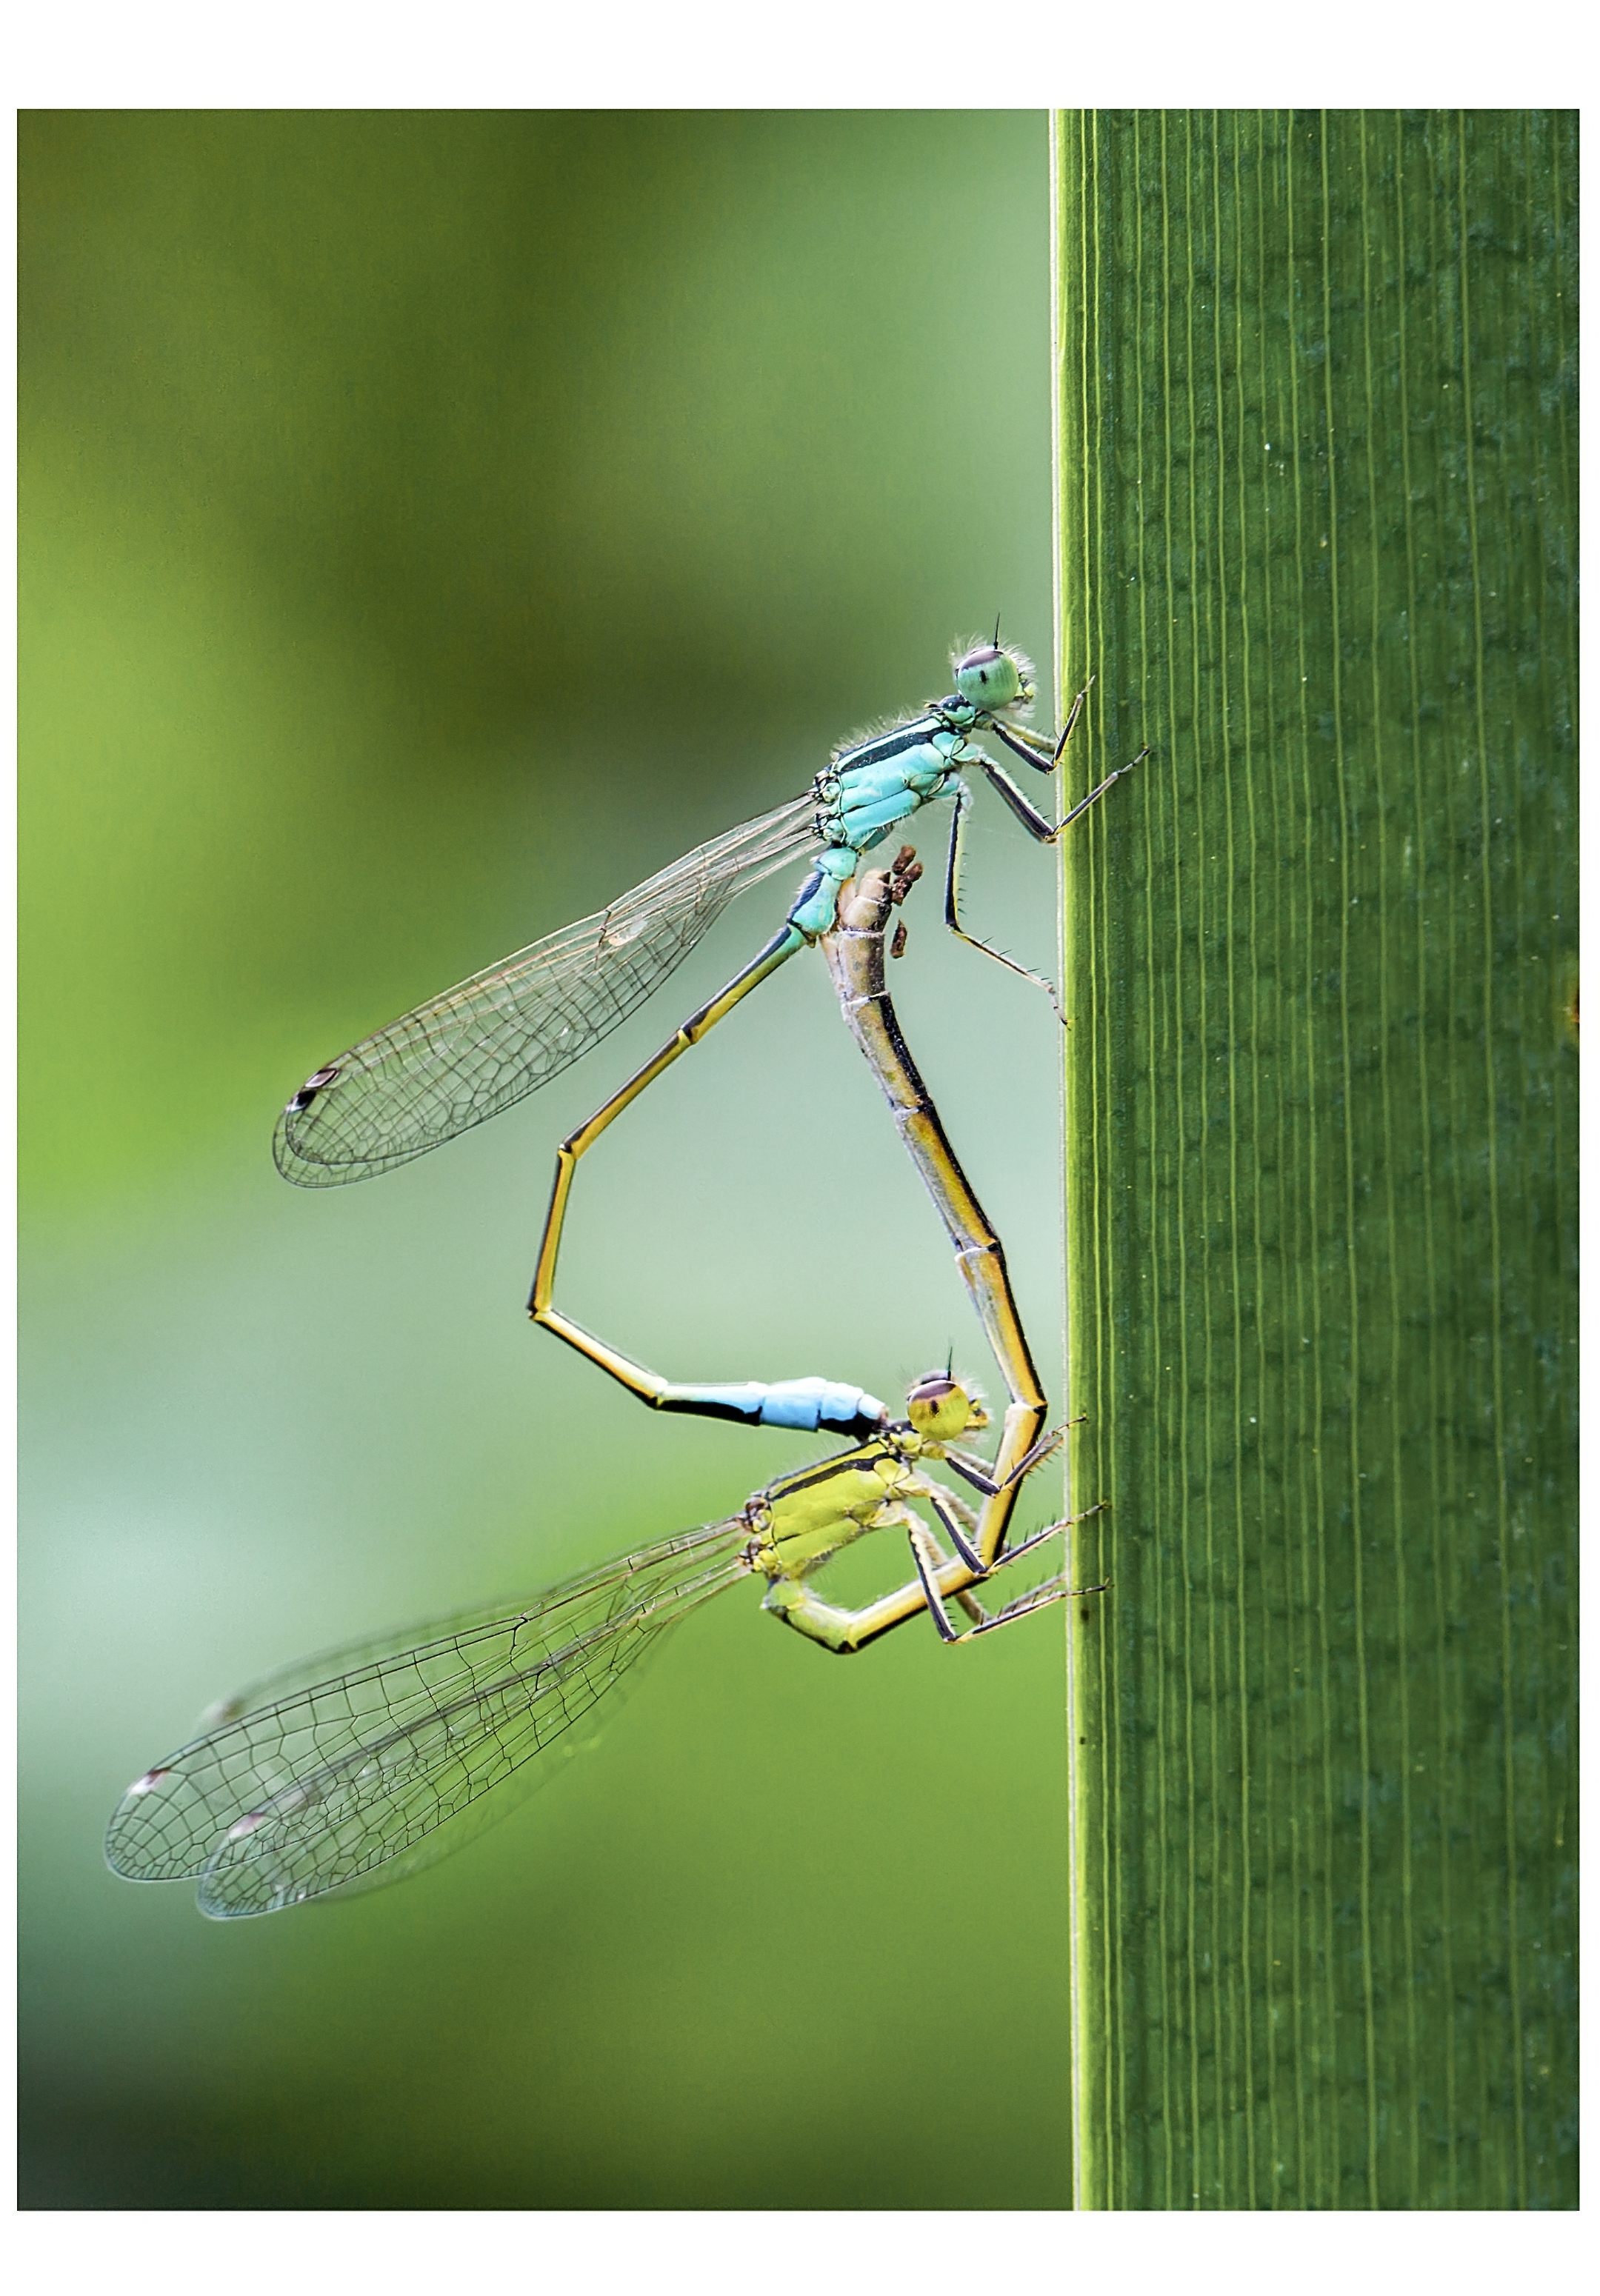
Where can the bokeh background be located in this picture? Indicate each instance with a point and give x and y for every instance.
(431, 525)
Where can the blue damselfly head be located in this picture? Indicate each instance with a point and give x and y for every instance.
(992, 678)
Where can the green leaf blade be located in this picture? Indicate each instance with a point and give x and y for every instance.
(1317, 542)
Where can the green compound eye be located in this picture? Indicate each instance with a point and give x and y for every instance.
(992, 678)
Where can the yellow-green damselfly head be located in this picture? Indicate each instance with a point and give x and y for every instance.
(994, 678)
(941, 1409)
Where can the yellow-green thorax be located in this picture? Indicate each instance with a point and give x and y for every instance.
(802, 1518)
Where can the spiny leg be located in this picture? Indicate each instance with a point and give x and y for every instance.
(961, 1521)
(964, 1525)
(1038, 751)
(1040, 1599)
(964, 798)
(925, 1555)
(976, 1471)
(1073, 715)
(1039, 826)
(1098, 791)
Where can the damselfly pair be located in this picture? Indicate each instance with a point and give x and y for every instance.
(357, 1767)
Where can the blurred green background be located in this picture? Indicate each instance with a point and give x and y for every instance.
(431, 525)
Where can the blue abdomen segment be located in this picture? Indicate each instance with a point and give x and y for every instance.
(816, 1406)
(817, 910)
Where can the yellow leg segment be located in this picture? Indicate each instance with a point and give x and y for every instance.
(649, 1386)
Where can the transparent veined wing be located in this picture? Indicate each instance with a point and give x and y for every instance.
(482, 1045)
(364, 1765)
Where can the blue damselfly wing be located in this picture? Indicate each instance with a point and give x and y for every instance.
(483, 1045)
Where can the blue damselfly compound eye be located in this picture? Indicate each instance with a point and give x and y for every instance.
(994, 677)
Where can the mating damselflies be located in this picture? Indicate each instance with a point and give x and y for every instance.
(356, 1767)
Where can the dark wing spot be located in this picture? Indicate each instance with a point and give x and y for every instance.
(314, 1084)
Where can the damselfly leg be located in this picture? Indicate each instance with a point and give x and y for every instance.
(930, 1560)
(1023, 744)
